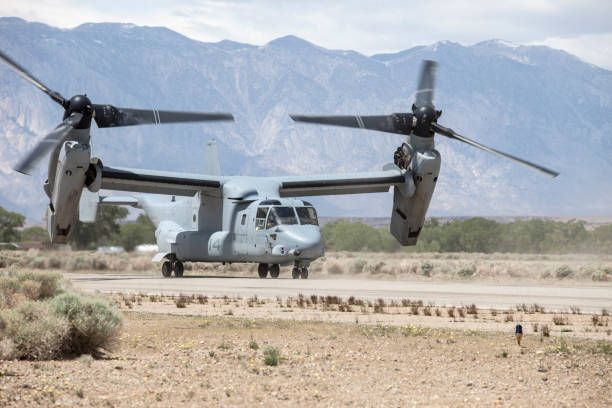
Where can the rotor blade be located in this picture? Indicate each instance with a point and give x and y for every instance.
(383, 123)
(57, 136)
(427, 82)
(111, 116)
(31, 78)
(453, 135)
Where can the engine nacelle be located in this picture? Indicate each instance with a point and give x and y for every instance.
(72, 164)
(410, 204)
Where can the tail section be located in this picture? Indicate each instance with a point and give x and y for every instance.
(211, 159)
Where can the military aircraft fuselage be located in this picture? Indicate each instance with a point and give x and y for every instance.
(237, 225)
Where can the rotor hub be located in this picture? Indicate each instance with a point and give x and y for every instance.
(424, 115)
(80, 104)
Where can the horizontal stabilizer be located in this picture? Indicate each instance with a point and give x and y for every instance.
(120, 200)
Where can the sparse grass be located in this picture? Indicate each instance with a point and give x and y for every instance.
(471, 309)
(575, 309)
(253, 344)
(181, 302)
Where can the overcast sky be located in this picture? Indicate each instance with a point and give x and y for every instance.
(581, 27)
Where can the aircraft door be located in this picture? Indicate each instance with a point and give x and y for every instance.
(259, 243)
(241, 243)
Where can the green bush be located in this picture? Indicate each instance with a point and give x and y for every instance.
(271, 356)
(564, 272)
(426, 268)
(466, 271)
(94, 326)
(35, 331)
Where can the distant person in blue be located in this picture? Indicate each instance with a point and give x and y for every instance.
(519, 333)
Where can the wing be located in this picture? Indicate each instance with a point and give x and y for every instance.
(157, 182)
(335, 184)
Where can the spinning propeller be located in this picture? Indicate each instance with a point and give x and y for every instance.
(78, 112)
(422, 121)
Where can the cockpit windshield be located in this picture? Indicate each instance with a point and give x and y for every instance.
(281, 216)
(308, 215)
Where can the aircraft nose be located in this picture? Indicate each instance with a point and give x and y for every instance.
(307, 240)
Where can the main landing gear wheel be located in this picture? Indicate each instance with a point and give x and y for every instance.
(274, 271)
(178, 269)
(295, 273)
(167, 269)
(262, 270)
(304, 273)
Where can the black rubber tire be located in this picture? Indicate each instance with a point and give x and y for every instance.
(167, 269)
(262, 270)
(178, 269)
(304, 273)
(274, 271)
(295, 273)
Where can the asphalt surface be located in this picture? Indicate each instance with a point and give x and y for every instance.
(484, 295)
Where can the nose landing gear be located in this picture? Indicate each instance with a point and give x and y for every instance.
(298, 272)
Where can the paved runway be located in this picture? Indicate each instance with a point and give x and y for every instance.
(484, 295)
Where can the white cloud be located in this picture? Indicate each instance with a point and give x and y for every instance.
(579, 27)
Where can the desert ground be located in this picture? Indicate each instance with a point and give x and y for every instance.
(324, 349)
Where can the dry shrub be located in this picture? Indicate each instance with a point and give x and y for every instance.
(357, 266)
(50, 282)
(35, 330)
(94, 326)
(451, 312)
(334, 268)
(141, 264)
(99, 264)
(9, 287)
(31, 289)
(79, 263)
(54, 263)
(545, 330)
(8, 351)
(560, 320)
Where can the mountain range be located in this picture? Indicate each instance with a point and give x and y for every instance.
(535, 102)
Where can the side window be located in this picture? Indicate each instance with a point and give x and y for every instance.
(243, 219)
(260, 218)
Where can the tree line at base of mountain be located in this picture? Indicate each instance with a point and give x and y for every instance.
(475, 235)
(108, 230)
(472, 235)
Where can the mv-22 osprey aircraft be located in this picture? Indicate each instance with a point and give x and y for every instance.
(216, 218)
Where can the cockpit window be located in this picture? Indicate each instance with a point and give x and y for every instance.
(281, 216)
(260, 218)
(308, 215)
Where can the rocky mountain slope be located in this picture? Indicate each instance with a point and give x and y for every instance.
(532, 101)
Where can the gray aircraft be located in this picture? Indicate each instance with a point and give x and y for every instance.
(214, 218)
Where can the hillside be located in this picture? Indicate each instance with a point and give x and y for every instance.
(531, 101)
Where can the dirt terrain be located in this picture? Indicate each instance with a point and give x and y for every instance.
(205, 350)
(168, 360)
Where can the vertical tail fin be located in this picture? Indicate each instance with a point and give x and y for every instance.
(211, 159)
